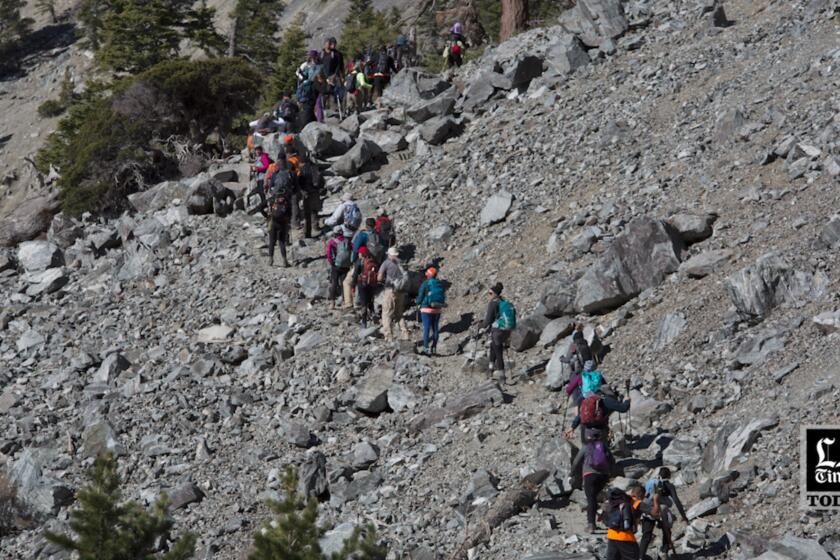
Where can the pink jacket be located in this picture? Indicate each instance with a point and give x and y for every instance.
(332, 247)
(262, 164)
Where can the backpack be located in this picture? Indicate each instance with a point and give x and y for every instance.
(352, 216)
(455, 49)
(369, 274)
(375, 246)
(342, 255)
(350, 83)
(507, 316)
(592, 411)
(618, 512)
(591, 382)
(382, 64)
(599, 456)
(436, 295)
(304, 91)
(401, 283)
(313, 180)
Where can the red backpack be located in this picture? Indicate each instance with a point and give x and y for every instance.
(592, 411)
(368, 276)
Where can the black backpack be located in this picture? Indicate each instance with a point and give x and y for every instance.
(382, 64)
(618, 511)
(350, 82)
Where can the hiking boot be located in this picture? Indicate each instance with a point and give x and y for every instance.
(434, 351)
(590, 529)
(285, 263)
(271, 261)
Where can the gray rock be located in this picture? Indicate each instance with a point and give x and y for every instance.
(364, 483)
(98, 438)
(326, 140)
(556, 456)
(158, 197)
(584, 241)
(390, 141)
(830, 233)
(372, 393)
(401, 399)
(28, 219)
(682, 453)
(34, 256)
(40, 494)
(214, 334)
(364, 455)
(638, 259)
(29, 339)
(150, 233)
(437, 130)
(595, 21)
(139, 262)
(758, 347)
(558, 297)
(7, 260)
(522, 70)
(314, 285)
(297, 434)
(111, 367)
(555, 330)
(828, 321)
(797, 548)
(308, 341)
(732, 441)
(64, 231)
(333, 540)
(704, 264)
(703, 507)
(558, 371)
(671, 326)
(439, 106)
(496, 208)
(46, 281)
(226, 176)
(404, 89)
(728, 124)
(693, 227)
(184, 495)
(479, 91)
(358, 159)
(312, 477)
(566, 55)
(462, 406)
(527, 332)
(770, 282)
(108, 238)
(440, 233)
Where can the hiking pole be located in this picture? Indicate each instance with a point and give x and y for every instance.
(629, 425)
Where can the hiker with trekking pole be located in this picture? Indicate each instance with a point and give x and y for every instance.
(499, 321)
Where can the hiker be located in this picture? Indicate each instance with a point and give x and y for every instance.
(385, 229)
(598, 464)
(667, 493)
(307, 90)
(621, 516)
(279, 210)
(310, 182)
(357, 85)
(365, 278)
(584, 383)
(401, 52)
(259, 170)
(596, 409)
(272, 168)
(295, 164)
(384, 68)
(431, 299)
(500, 319)
(333, 63)
(393, 277)
(288, 111)
(370, 239)
(456, 47)
(338, 257)
(266, 124)
(348, 215)
(579, 352)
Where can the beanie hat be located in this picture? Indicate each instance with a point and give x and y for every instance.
(363, 250)
(312, 53)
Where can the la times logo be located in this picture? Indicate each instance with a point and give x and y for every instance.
(820, 467)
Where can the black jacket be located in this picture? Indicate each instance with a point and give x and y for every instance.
(492, 313)
(610, 405)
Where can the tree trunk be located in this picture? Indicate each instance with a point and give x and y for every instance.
(514, 18)
(231, 52)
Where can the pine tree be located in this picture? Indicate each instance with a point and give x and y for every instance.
(256, 22)
(368, 29)
(294, 533)
(358, 8)
(200, 30)
(106, 529)
(12, 26)
(291, 53)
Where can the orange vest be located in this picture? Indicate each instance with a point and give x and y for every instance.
(272, 169)
(626, 536)
(294, 163)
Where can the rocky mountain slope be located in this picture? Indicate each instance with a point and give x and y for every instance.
(665, 173)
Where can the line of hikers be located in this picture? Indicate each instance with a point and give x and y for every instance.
(624, 511)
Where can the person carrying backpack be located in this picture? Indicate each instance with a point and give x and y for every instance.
(393, 277)
(259, 169)
(365, 277)
(598, 463)
(500, 319)
(431, 300)
(333, 63)
(621, 515)
(349, 216)
(311, 183)
(279, 210)
(596, 409)
(357, 85)
(385, 229)
(363, 238)
(382, 75)
(667, 494)
(288, 110)
(456, 47)
(307, 92)
(338, 257)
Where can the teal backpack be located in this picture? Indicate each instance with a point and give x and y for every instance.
(592, 381)
(436, 296)
(507, 316)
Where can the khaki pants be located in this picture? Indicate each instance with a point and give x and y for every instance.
(393, 307)
(347, 287)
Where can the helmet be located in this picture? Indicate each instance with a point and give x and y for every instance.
(457, 28)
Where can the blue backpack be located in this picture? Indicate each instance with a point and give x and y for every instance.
(435, 294)
(507, 316)
(352, 216)
(591, 382)
(304, 91)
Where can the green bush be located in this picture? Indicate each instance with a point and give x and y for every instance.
(51, 108)
(106, 529)
(366, 27)
(117, 138)
(294, 533)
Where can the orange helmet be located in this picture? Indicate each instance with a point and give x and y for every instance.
(431, 272)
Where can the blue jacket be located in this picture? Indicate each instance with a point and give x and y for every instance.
(359, 241)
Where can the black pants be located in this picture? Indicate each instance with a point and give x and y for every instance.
(311, 204)
(592, 486)
(306, 114)
(336, 278)
(296, 196)
(365, 294)
(498, 340)
(622, 550)
(379, 83)
(278, 232)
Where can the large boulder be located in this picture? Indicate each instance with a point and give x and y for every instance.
(64, 231)
(556, 456)
(522, 70)
(158, 197)
(372, 393)
(558, 297)
(638, 259)
(437, 130)
(29, 219)
(34, 256)
(732, 441)
(558, 369)
(326, 140)
(363, 155)
(479, 90)
(830, 233)
(527, 332)
(411, 86)
(770, 282)
(439, 106)
(595, 21)
(703, 264)
(41, 494)
(496, 208)
(389, 141)
(693, 227)
(566, 54)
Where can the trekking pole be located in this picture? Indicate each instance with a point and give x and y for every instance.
(629, 425)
